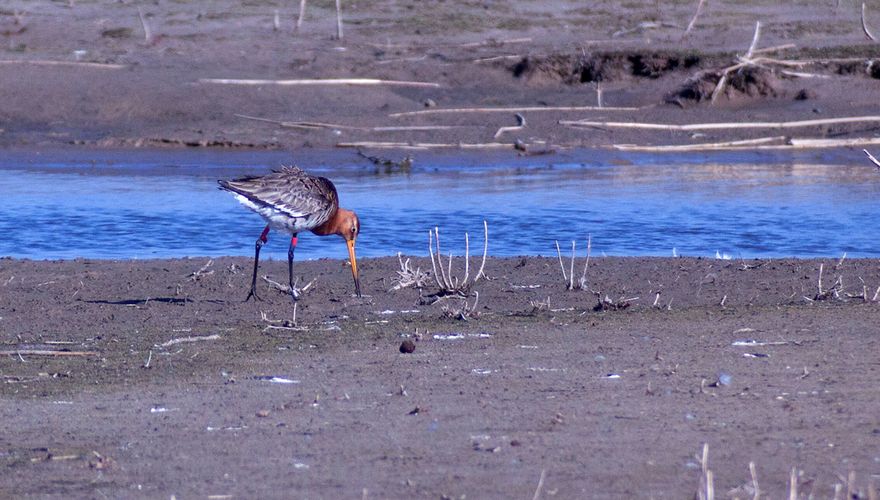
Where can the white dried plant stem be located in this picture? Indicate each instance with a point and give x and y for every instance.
(793, 485)
(302, 13)
(871, 157)
(571, 267)
(451, 284)
(467, 259)
(754, 44)
(561, 265)
(485, 251)
(691, 24)
(865, 26)
(710, 485)
(583, 282)
(148, 36)
(433, 263)
(753, 471)
(339, 19)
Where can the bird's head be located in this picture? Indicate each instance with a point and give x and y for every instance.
(347, 225)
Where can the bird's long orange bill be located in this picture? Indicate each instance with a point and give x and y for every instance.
(354, 267)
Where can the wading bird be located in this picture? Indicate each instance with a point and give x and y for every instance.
(292, 201)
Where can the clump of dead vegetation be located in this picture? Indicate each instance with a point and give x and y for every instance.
(837, 290)
(450, 286)
(407, 276)
(569, 276)
(845, 488)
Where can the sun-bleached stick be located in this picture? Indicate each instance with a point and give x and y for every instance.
(583, 280)
(148, 36)
(303, 125)
(744, 144)
(318, 81)
(865, 26)
(20, 352)
(64, 63)
(561, 265)
(485, 251)
(753, 471)
(508, 109)
(871, 157)
(537, 494)
(302, 14)
(521, 124)
(425, 145)
(338, 20)
(691, 24)
(723, 80)
(723, 125)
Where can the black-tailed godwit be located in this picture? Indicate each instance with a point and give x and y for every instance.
(292, 201)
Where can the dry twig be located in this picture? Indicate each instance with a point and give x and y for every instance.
(60, 354)
(407, 277)
(691, 24)
(521, 124)
(203, 271)
(186, 340)
(319, 81)
(507, 109)
(425, 145)
(689, 127)
(148, 36)
(865, 26)
(871, 157)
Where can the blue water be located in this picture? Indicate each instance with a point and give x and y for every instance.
(145, 204)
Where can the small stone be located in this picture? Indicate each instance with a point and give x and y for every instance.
(407, 346)
(263, 413)
(429, 103)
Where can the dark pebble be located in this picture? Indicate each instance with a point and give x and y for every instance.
(407, 346)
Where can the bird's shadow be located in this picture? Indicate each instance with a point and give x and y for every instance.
(135, 302)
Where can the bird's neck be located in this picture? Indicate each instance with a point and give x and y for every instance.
(333, 224)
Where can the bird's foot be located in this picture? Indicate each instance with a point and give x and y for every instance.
(253, 293)
(294, 294)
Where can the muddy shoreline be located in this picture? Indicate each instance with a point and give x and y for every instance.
(173, 385)
(111, 83)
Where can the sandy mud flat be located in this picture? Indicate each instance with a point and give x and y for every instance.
(154, 379)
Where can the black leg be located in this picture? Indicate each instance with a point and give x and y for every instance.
(259, 244)
(293, 240)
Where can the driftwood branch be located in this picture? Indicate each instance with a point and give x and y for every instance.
(64, 63)
(26, 352)
(520, 124)
(338, 20)
(757, 144)
(302, 14)
(187, 340)
(865, 26)
(508, 109)
(691, 24)
(722, 125)
(425, 145)
(318, 81)
(871, 157)
(305, 125)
